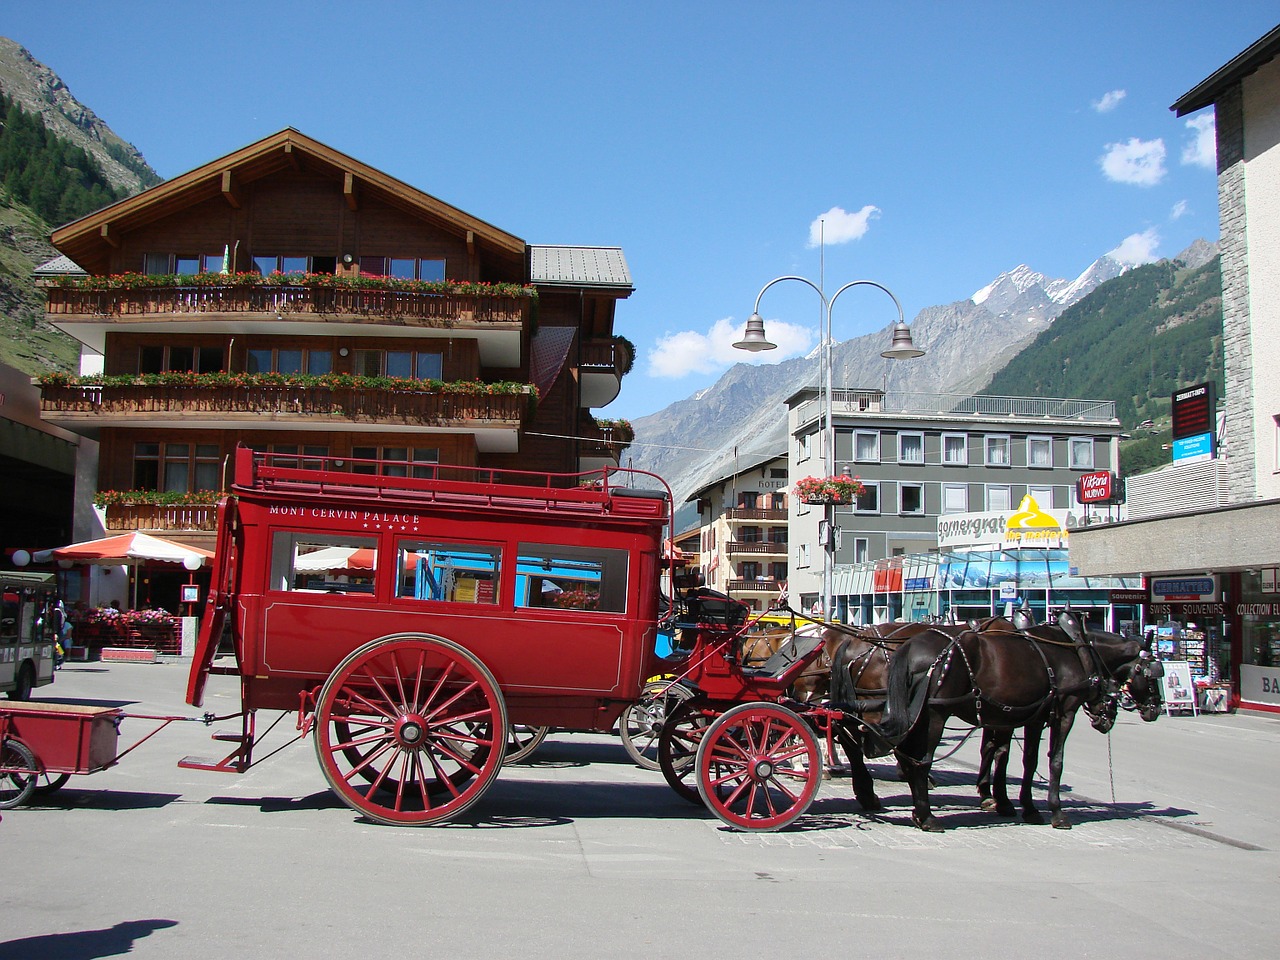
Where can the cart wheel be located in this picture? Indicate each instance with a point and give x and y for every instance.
(641, 723)
(522, 740)
(19, 773)
(48, 783)
(678, 745)
(406, 729)
(759, 767)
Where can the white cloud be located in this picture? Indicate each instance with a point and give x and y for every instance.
(1110, 100)
(1140, 162)
(840, 226)
(1179, 210)
(1202, 149)
(688, 351)
(1137, 248)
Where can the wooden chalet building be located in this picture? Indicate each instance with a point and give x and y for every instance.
(291, 298)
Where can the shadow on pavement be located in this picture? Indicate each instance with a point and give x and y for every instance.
(83, 944)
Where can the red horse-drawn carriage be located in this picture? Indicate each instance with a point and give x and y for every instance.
(412, 621)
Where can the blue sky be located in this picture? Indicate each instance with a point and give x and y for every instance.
(940, 143)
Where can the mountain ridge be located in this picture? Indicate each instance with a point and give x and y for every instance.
(967, 343)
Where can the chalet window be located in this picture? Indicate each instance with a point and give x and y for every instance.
(449, 572)
(177, 467)
(777, 571)
(402, 268)
(163, 359)
(1043, 496)
(160, 263)
(750, 570)
(286, 455)
(419, 462)
(407, 364)
(268, 264)
(749, 535)
(777, 534)
(288, 360)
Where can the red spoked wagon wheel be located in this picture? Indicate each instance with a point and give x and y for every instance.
(678, 742)
(410, 729)
(758, 767)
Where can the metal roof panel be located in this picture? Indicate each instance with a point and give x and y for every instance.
(579, 266)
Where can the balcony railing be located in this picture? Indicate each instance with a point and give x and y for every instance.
(614, 354)
(285, 300)
(855, 402)
(169, 517)
(755, 513)
(757, 546)
(85, 402)
(752, 586)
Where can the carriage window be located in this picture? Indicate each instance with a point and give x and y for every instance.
(323, 563)
(571, 578)
(448, 572)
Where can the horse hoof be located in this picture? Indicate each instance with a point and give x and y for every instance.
(1009, 810)
(1032, 816)
(870, 803)
(988, 805)
(929, 824)
(1061, 823)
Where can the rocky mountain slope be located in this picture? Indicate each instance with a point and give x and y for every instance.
(37, 89)
(967, 342)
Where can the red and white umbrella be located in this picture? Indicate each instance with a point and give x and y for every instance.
(132, 548)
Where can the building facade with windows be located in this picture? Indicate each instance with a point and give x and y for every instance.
(921, 458)
(743, 542)
(1184, 533)
(291, 298)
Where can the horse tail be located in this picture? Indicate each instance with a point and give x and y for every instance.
(842, 688)
(907, 691)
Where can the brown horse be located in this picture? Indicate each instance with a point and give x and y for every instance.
(1007, 678)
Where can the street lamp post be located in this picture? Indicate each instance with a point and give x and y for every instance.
(901, 348)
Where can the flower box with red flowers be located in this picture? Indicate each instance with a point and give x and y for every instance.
(836, 490)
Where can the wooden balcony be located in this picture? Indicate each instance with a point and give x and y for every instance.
(427, 309)
(495, 321)
(769, 586)
(601, 366)
(163, 518)
(760, 547)
(85, 409)
(755, 513)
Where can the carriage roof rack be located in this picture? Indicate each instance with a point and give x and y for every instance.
(594, 494)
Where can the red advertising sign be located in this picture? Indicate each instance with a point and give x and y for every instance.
(1097, 487)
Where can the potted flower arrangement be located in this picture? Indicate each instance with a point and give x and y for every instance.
(838, 490)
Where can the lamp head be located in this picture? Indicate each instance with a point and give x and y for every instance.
(754, 340)
(902, 348)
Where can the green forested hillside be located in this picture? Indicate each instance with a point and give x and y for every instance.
(1134, 340)
(44, 180)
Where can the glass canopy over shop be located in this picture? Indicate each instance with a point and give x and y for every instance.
(977, 583)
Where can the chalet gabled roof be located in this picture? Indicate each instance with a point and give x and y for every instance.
(1240, 66)
(87, 240)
